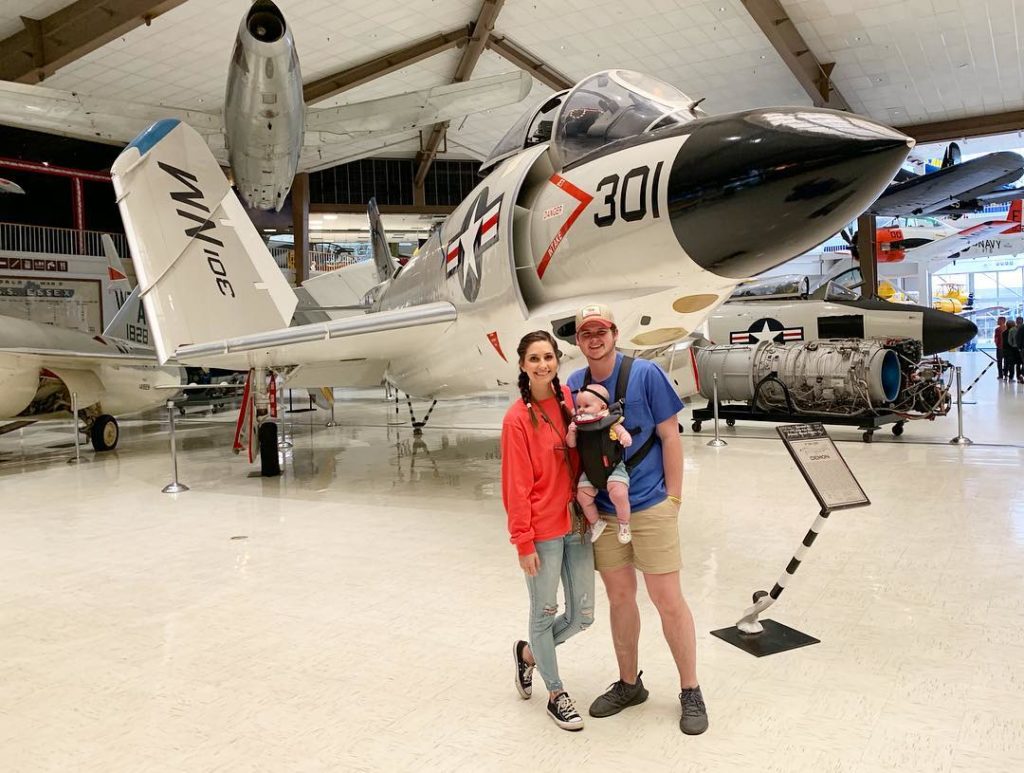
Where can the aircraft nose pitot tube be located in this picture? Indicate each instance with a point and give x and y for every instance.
(749, 191)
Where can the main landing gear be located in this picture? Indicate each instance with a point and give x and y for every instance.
(103, 432)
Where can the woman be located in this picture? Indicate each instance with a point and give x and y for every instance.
(537, 475)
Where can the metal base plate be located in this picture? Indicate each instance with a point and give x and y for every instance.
(174, 488)
(775, 638)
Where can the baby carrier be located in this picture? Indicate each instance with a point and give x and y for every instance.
(599, 454)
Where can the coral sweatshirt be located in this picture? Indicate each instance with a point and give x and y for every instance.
(536, 485)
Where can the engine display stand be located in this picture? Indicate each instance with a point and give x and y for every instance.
(835, 487)
(731, 413)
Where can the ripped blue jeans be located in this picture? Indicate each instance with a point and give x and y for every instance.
(572, 561)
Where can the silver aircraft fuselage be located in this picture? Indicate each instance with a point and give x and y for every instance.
(264, 112)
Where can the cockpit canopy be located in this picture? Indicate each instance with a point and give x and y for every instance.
(606, 107)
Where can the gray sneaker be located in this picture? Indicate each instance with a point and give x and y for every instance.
(694, 720)
(619, 696)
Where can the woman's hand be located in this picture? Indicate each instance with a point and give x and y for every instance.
(530, 564)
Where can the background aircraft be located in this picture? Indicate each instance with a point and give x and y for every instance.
(955, 189)
(265, 132)
(620, 164)
(7, 186)
(42, 365)
(781, 310)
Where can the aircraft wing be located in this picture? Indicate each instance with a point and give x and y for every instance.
(330, 131)
(71, 114)
(378, 336)
(961, 182)
(57, 358)
(949, 246)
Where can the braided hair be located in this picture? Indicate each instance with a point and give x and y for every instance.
(524, 380)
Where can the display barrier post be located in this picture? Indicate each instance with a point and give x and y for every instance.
(960, 439)
(174, 487)
(77, 458)
(834, 486)
(717, 442)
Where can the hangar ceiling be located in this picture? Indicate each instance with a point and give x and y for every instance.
(906, 63)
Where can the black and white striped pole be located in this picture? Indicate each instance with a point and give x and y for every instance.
(749, 623)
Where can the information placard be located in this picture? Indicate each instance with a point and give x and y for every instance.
(74, 304)
(823, 467)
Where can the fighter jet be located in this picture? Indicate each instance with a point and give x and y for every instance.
(782, 311)
(42, 368)
(265, 133)
(618, 190)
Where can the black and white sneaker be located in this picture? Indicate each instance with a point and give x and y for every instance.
(524, 671)
(563, 712)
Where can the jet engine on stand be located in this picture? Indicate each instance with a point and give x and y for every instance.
(855, 381)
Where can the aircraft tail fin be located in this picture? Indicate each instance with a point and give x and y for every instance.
(204, 272)
(380, 250)
(1016, 214)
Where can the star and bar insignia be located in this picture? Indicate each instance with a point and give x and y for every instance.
(464, 255)
(767, 329)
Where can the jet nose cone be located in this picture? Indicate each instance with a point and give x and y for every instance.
(748, 191)
(942, 331)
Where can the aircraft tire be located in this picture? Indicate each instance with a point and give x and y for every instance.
(104, 433)
(270, 465)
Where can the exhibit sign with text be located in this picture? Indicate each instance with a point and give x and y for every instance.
(823, 467)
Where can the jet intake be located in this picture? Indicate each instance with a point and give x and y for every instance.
(265, 22)
(749, 191)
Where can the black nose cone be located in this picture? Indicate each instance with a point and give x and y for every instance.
(751, 190)
(265, 22)
(942, 331)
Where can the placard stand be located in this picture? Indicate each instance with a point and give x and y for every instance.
(835, 487)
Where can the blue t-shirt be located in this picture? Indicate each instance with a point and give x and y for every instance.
(650, 399)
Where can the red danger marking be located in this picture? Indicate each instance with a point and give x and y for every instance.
(584, 199)
(493, 338)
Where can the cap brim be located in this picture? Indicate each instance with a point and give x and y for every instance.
(591, 320)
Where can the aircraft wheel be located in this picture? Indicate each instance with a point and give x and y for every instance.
(868, 436)
(897, 428)
(695, 426)
(730, 422)
(270, 465)
(104, 433)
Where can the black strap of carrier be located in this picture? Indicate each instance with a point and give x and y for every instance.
(620, 389)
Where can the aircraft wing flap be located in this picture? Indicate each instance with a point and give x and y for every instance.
(379, 335)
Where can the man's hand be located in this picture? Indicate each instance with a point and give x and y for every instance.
(530, 564)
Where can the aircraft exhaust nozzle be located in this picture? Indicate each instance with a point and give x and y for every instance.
(751, 190)
(265, 22)
(942, 331)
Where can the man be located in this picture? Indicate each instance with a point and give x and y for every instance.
(997, 338)
(1019, 341)
(655, 488)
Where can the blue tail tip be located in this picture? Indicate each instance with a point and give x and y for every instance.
(151, 136)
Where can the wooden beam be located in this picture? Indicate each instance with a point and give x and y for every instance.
(812, 75)
(46, 45)
(479, 35)
(961, 128)
(300, 226)
(332, 85)
(524, 60)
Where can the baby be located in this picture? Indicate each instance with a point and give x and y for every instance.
(591, 408)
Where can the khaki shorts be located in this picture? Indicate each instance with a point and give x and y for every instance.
(654, 548)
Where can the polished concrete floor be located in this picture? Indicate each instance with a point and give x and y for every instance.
(357, 612)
